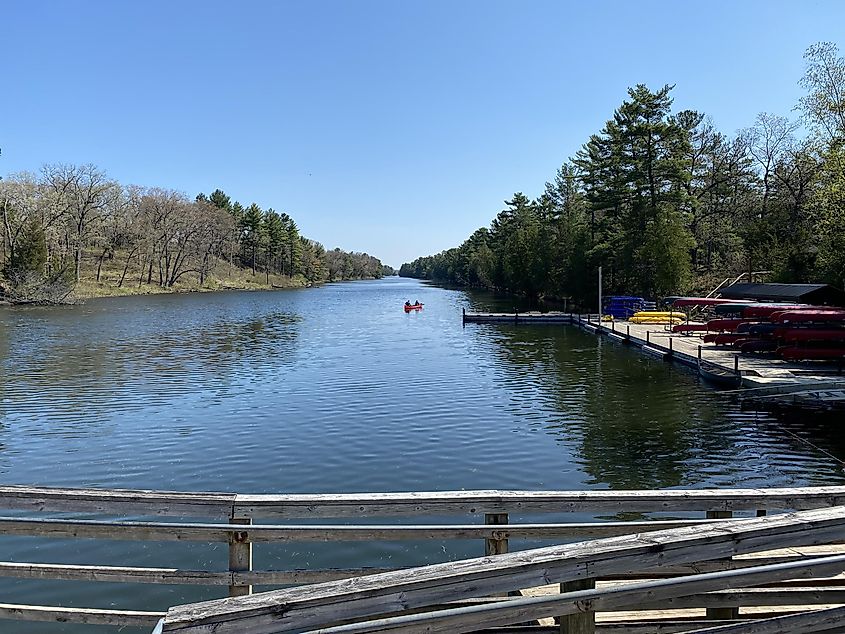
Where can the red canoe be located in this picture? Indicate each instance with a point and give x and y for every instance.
(725, 324)
(794, 316)
(811, 334)
(727, 338)
(763, 310)
(408, 309)
(689, 328)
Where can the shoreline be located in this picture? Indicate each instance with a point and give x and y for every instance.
(96, 290)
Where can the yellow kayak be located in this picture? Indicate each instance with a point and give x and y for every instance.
(655, 313)
(656, 320)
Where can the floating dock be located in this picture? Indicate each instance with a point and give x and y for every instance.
(754, 371)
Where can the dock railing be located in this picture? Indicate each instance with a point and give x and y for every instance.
(694, 539)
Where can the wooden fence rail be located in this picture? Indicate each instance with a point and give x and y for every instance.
(229, 518)
(324, 605)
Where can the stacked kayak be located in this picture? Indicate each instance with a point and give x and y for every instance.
(657, 317)
(624, 306)
(790, 331)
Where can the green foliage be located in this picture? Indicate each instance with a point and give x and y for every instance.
(665, 203)
(28, 260)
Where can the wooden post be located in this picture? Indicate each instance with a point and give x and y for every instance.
(240, 556)
(516, 317)
(495, 546)
(648, 336)
(628, 332)
(463, 316)
(736, 364)
(670, 346)
(719, 614)
(583, 622)
(699, 355)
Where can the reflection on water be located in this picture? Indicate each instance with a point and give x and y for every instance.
(337, 389)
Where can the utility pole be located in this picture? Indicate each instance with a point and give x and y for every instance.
(600, 304)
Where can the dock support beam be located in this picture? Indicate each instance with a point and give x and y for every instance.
(495, 546)
(721, 614)
(240, 556)
(583, 622)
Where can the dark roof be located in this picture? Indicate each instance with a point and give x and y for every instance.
(803, 293)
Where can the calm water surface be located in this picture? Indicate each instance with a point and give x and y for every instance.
(337, 389)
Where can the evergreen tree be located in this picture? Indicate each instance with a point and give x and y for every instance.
(252, 224)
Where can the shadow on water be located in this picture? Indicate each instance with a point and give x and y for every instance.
(642, 423)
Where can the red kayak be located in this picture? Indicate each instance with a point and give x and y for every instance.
(794, 316)
(727, 338)
(764, 311)
(725, 324)
(811, 334)
(408, 308)
(689, 328)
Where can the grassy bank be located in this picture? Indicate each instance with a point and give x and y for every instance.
(221, 277)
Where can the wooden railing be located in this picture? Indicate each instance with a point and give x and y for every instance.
(680, 546)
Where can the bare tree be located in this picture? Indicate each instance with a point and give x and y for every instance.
(82, 196)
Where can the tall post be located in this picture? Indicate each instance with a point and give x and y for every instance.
(240, 556)
(600, 302)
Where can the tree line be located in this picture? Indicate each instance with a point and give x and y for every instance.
(68, 220)
(666, 203)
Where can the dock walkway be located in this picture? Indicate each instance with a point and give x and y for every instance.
(686, 349)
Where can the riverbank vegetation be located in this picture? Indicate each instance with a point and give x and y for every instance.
(666, 203)
(72, 231)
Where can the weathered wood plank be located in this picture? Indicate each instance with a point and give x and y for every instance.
(397, 591)
(812, 621)
(90, 616)
(758, 597)
(456, 621)
(117, 501)
(521, 502)
(181, 531)
(113, 574)
(175, 576)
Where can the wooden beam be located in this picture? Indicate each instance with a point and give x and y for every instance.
(180, 531)
(117, 501)
(90, 616)
(461, 620)
(811, 621)
(495, 501)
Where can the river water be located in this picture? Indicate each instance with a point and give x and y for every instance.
(336, 389)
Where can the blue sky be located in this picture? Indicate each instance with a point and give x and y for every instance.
(395, 128)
